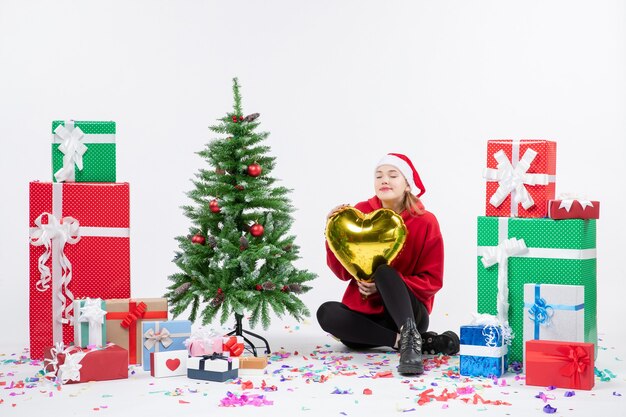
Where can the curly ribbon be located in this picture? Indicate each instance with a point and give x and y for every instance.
(61, 232)
(73, 149)
(69, 370)
(500, 255)
(575, 361)
(153, 338)
(541, 313)
(568, 199)
(90, 312)
(512, 178)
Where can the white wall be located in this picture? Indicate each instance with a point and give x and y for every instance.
(337, 84)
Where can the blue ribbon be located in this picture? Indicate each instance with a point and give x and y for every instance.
(541, 312)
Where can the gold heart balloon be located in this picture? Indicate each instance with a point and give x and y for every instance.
(362, 242)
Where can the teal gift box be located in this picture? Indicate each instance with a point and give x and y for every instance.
(83, 151)
(483, 351)
(559, 252)
(163, 336)
(90, 323)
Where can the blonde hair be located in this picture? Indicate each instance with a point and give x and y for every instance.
(412, 204)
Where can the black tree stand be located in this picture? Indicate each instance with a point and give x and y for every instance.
(239, 331)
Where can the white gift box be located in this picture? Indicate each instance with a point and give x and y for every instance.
(168, 363)
(554, 312)
(216, 367)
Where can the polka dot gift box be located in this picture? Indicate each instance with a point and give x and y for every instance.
(83, 151)
(557, 252)
(520, 177)
(79, 248)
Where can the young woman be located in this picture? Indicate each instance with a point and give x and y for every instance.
(393, 310)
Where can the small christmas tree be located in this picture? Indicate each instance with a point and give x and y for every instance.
(238, 255)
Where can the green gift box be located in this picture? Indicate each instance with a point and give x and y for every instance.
(559, 252)
(83, 151)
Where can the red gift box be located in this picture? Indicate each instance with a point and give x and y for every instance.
(79, 235)
(520, 177)
(573, 209)
(560, 364)
(86, 365)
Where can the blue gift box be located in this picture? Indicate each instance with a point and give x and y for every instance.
(215, 367)
(483, 352)
(163, 336)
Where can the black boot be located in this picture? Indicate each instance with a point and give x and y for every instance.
(446, 343)
(410, 349)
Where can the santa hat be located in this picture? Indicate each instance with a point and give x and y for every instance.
(405, 166)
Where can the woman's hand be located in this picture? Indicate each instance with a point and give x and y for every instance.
(367, 288)
(336, 209)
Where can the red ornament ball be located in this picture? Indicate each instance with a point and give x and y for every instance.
(214, 206)
(285, 288)
(198, 239)
(235, 119)
(239, 187)
(254, 170)
(259, 287)
(256, 230)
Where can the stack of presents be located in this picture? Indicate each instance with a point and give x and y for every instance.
(536, 273)
(83, 322)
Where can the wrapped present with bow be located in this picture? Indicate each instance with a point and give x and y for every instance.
(216, 367)
(71, 365)
(124, 322)
(233, 345)
(520, 177)
(484, 347)
(571, 206)
(204, 342)
(83, 151)
(513, 251)
(554, 312)
(560, 364)
(90, 323)
(79, 247)
(168, 363)
(163, 336)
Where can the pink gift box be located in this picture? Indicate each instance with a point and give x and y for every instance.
(207, 346)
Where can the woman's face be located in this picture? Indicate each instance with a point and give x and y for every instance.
(390, 185)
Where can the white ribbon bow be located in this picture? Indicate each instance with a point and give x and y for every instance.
(512, 180)
(70, 369)
(568, 199)
(92, 313)
(65, 231)
(72, 148)
(152, 338)
(500, 255)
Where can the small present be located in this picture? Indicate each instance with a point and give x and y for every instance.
(520, 177)
(217, 367)
(561, 364)
(204, 342)
(73, 364)
(90, 322)
(168, 363)
(79, 234)
(83, 151)
(252, 365)
(233, 345)
(483, 351)
(125, 318)
(159, 336)
(554, 312)
(573, 207)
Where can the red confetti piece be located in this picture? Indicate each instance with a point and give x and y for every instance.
(183, 402)
(367, 391)
(247, 385)
(383, 374)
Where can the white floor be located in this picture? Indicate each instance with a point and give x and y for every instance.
(313, 375)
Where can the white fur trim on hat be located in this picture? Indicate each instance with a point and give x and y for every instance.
(403, 167)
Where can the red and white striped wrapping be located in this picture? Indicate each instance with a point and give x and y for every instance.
(79, 247)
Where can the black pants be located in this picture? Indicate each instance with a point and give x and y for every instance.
(358, 330)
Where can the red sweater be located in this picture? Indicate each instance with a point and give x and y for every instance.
(420, 263)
